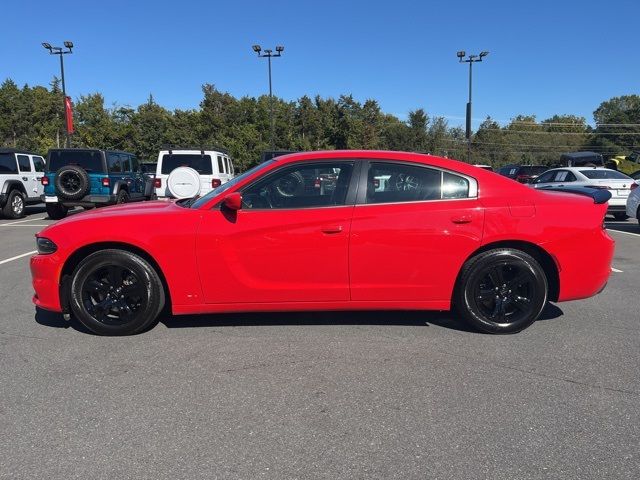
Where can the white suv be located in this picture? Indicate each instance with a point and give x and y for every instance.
(186, 173)
(20, 180)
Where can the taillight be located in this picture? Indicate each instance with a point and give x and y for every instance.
(522, 178)
(317, 182)
(633, 186)
(45, 180)
(376, 183)
(157, 183)
(105, 182)
(215, 182)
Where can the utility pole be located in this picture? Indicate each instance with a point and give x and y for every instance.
(268, 54)
(61, 52)
(471, 59)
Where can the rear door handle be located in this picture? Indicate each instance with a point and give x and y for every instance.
(332, 229)
(461, 219)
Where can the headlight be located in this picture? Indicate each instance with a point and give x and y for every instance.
(45, 246)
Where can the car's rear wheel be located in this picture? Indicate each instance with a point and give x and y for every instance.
(116, 292)
(123, 197)
(14, 208)
(501, 291)
(621, 216)
(56, 211)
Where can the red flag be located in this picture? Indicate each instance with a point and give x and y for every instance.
(69, 111)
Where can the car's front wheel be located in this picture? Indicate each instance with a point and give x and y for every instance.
(116, 292)
(501, 291)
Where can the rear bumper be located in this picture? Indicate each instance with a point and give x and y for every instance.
(45, 273)
(88, 201)
(584, 264)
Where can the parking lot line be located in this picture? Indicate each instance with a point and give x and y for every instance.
(7, 260)
(622, 231)
(22, 221)
(616, 270)
(29, 225)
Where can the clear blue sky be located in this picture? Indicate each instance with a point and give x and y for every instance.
(546, 56)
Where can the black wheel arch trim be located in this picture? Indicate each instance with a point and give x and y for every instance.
(7, 187)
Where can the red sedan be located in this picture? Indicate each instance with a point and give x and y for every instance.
(335, 230)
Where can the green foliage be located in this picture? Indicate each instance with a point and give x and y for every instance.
(33, 118)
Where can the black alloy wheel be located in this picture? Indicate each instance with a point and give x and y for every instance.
(116, 292)
(501, 291)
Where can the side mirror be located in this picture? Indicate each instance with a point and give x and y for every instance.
(233, 201)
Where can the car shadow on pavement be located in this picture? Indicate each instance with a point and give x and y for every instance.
(57, 320)
(410, 318)
(416, 318)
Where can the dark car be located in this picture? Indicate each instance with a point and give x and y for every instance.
(90, 177)
(522, 173)
(582, 159)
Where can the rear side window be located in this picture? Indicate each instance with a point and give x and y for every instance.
(115, 162)
(38, 163)
(8, 163)
(135, 166)
(90, 160)
(564, 176)
(200, 163)
(126, 162)
(220, 164)
(602, 174)
(388, 183)
(23, 163)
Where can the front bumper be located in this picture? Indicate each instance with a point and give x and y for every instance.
(88, 201)
(45, 274)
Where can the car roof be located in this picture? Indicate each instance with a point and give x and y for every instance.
(17, 150)
(88, 150)
(580, 155)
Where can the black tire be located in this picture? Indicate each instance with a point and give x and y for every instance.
(14, 208)
(501, 291)
(620, 216)
(56, 211)
(122, 197)
(71, 182)
(115, 292)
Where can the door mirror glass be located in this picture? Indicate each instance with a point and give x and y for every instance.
(233, 201)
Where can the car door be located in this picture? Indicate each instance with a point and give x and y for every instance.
(413, 227)
(39, 166)
(288, 243)
(28, 176)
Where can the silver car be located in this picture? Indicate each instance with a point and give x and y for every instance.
(617, 183)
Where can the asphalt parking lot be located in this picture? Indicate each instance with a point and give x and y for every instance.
(321, 395)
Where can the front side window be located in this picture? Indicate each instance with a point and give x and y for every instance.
(393, 183)
(8, 163)
(23, 163)
(135, 166)
(302, 186)
(545, 177)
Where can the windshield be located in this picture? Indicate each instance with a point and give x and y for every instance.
(601, 174)
(200, 163)
(231, 183)
(90, 160)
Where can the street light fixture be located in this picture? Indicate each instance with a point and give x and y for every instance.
(268, 54)
(471, 59)
(61, 52)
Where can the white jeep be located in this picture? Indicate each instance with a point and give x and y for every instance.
(21, 173)
(186, 173)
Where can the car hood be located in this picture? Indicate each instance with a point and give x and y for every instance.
(130, 209)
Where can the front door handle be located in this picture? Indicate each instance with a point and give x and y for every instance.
(332, 229)
(461, 219)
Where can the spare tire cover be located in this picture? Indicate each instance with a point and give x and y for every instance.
(184, 182)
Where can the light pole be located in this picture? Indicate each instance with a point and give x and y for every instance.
(470, 60)
(268, 54)
(61, 52)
